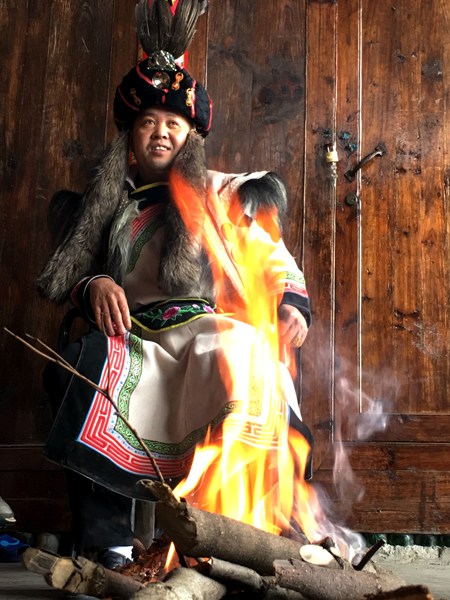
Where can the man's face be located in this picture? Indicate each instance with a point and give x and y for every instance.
(157, 137)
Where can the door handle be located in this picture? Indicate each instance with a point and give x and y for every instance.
(351, 173)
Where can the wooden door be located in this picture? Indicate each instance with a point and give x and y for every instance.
(382, 313)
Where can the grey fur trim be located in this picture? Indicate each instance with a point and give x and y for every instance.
(119, 239)
(263, 194)
(74, 257)
(190, 162)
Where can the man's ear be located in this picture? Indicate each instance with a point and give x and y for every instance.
(130, 140)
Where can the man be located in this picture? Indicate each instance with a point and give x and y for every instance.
(157, 137)
(142, 276)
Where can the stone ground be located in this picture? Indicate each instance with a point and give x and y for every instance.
(415, 564)
(419, 565)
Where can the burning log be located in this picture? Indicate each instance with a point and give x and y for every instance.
(318, 583)
(198, 533)
(79, 575)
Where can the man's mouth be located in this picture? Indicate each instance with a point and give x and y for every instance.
(159, 149)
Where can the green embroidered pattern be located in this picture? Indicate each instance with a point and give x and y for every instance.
(133, 377)
(145, 236)
(191, 439)
(299, 277)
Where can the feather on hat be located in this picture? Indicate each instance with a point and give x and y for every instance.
(158, 80)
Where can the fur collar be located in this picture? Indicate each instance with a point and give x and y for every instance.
(97, 240)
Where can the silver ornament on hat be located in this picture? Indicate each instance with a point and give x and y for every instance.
(161, 80)
(161, 59)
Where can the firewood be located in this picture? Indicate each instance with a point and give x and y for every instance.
(319, 583)
(183, 584)
(79, 575)
(198, 533)
(245, 581)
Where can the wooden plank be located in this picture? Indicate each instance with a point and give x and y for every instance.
(198, 51)
(403, 335)
(392, 503)
(319, 217)
(24, 33)
(257, 85)
(432, 211)
(229, 78)
(123, 56)
(348, 225)
(392, 457)
(379, 98)
(25, 458)
(58, 54)
(36, 489)
(52, 122)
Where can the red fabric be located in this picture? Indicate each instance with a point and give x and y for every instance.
(174, 7)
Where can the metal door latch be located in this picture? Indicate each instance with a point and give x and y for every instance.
(351, 174)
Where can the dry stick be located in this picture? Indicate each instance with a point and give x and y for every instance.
(65, 365)
(368, 555)
(319, 583)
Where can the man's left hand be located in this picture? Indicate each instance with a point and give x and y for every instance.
(292, 325)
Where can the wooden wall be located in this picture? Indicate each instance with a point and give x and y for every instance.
(61, 61)
(288, 78)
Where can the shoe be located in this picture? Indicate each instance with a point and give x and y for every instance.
(6, 515)
(111, 559)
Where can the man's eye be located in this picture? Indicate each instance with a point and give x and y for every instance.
(174, 124)
(148, 122)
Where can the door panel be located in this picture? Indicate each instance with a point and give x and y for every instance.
(403, 220)
(391, 360)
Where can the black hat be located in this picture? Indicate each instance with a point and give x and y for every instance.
(158, 79)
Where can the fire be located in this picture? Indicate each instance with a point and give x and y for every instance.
(257, 480)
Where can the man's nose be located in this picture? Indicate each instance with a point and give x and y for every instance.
(160, 131)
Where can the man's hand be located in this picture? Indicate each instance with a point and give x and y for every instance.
(110, 306)
(292, 326)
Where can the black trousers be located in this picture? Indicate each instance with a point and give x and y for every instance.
(100, 518)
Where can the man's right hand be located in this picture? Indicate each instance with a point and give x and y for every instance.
(110, 306)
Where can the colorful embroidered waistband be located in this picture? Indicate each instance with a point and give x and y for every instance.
(172, 313)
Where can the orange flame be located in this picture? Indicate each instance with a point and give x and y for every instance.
(254, 480)
(170, 560)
